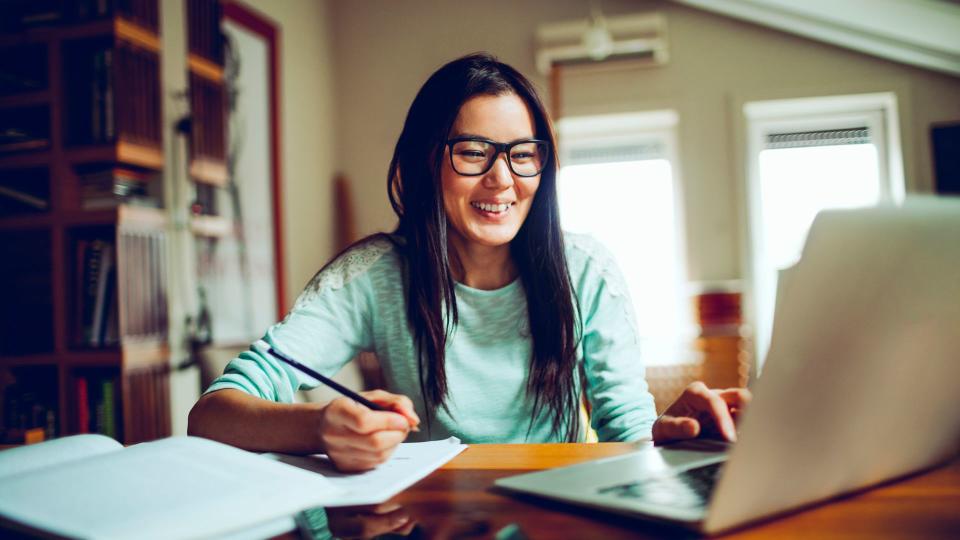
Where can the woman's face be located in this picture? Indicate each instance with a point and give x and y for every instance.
(488, 210)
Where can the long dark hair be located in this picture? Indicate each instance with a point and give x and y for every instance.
(415, 193)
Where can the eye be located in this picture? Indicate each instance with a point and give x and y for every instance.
(524, 152)
(471, 151)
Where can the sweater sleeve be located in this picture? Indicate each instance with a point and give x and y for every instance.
(622, 408)
(328, 325)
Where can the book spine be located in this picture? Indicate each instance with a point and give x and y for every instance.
(92, 254)
(109, 419)
(99, 301)
(83, 405)
(25, 198)
(107, 305)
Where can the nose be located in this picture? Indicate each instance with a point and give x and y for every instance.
(499, 175)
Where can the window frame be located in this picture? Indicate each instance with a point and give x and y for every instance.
(877, 112)
(658, 127)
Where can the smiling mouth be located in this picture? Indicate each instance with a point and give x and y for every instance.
(492, 208)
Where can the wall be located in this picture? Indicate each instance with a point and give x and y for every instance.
(308, 162)
(716, 64)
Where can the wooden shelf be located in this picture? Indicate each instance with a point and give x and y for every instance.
(39, 359)
(141, 217)
(144, 353)
(208, 171)
(136, 34)
(211, 226)
(132, 354)
(148, 157)
(25, 159)
(118, 26)
(27, 221)
(25, 99)
(205, 68)
(13, 149)
(105, 357)
(126, 215)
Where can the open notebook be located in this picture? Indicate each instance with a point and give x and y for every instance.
(90, 486)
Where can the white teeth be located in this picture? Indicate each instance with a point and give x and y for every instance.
(495, 208)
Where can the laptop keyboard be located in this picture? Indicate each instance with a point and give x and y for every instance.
(689, 489)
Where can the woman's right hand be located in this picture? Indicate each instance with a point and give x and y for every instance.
(357, 438)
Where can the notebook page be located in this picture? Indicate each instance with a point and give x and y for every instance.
(181, 487)
(408, 464)
(37, 456)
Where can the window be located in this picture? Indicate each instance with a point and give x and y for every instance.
(805, 156)
(618, 184)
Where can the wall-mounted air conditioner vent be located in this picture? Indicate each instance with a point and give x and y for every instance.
(642, 38)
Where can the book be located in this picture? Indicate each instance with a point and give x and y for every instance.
(97, 271)
(103, 274)
(82, 404)
(112, 186)
(28, 405)
(90, 486)
(33, 202)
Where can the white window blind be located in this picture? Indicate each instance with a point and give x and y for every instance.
(824, 137)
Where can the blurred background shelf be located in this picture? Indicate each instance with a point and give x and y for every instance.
(83, 329)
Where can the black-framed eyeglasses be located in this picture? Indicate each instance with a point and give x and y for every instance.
(473, 156)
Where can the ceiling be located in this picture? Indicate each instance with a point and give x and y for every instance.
(923, 33)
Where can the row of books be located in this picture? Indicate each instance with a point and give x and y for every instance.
(100, 188)
(96, 403)
(24, 129)
(97, 313)
(109, 187)
(20, 14)
(29, 407)
(203, 30)
(208, 136)
(144, 283)
(117, 94)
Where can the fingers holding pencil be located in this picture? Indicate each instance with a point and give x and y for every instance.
(357, 438)
(359, 431)
(397, 403)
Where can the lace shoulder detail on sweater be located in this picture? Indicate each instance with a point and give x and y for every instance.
(585, 251)
(344, 269)
(593, 253)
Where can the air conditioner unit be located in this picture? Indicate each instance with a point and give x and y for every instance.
(640, 37)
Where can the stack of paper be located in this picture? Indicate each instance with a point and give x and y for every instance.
(89, 486)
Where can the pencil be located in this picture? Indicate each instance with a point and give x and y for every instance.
(328, 381)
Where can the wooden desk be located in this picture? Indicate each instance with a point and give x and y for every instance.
(457, 501)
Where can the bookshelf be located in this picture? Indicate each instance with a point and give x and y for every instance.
(208, 106)
(83, 332)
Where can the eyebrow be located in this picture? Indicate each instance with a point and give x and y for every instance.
(476, 136)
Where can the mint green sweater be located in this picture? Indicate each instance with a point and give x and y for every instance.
(357, 304)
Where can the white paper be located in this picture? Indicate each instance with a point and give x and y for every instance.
(181, 487)
(408, 464)
(53, 452)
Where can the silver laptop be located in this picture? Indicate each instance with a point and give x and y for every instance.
(860, 384)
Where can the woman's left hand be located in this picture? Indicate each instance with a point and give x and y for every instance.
(702, 412)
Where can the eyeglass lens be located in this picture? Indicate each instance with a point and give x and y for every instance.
(476, 157)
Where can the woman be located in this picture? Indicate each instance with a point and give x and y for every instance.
(482, 312)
